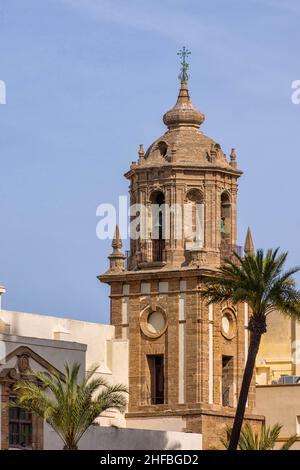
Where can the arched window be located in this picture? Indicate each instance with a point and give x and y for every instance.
(163, 148)
(194, 220)
(225, 222)
(158, 237)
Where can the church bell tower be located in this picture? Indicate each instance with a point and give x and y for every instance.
(186, 358)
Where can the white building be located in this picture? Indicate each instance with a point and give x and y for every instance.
(40, 342)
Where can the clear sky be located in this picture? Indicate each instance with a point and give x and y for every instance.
(89, 80)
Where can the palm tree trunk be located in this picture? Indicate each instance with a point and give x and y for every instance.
(70, 447)
(255, 338)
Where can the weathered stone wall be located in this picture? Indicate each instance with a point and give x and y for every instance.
(202, 383)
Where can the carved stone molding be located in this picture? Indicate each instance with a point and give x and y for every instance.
(228, 323)
(153, 321)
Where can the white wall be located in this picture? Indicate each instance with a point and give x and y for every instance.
(57, 353)
(99, 338)
(111, 354)
(167, 423)
(110, 438)
(58, 340)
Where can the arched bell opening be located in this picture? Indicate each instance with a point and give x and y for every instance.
(194, 220)
(225, 222)
(163, 148)
(157, 200)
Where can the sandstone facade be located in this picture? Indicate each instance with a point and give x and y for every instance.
(186, 358)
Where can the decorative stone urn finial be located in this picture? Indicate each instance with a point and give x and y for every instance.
(249, 245)
(233, 158)
(117, 258)
(2, 291)
(141, 151)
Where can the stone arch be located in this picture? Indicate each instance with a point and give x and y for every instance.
(157, 201)
(163, 148)
(194, 219)
(195, 195)
(225, 222)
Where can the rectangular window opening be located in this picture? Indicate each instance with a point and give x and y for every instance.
(227, 380)
(20, 427)
(156, 369)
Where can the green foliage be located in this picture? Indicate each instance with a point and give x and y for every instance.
(258, 280)
(70, 405)
(263, 440)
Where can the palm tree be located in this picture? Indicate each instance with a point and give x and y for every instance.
(264, 440)
(69, 405)
(259, 281)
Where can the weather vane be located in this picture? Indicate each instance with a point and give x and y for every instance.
(183, 53)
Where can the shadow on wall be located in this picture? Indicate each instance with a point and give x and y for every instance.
(132, 439)
(110, 438)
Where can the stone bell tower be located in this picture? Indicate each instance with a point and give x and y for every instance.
(186, 358)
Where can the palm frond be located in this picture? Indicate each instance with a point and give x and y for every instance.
(71, 405)
(265, 439)
(258, 280)
(288, 444)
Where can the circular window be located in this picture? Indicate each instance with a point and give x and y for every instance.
(153, 323)
(225, 324)
(156, 322)
(228, 324)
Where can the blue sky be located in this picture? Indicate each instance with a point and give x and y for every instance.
(89, 80)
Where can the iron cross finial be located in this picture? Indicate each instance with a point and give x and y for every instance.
(183, 53)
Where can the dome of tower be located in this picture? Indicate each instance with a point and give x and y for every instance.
(184, 142)
(183, 113)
